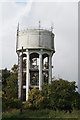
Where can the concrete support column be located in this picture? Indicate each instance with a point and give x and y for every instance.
(50, 69)
(40, 71)
(19, 75)
(27, 75)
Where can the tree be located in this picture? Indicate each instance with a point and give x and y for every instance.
(14, 68)
(11, 88)
(36, 100)
(11, 83)
(76, 100)
(9, 97)
(60, 94)
(5, 75)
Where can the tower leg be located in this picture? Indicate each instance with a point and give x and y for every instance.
(27, 75)
(40, 71)
(50, 69)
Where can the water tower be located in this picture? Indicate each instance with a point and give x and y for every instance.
(38, 49)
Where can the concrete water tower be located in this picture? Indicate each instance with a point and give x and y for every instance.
(38, 49)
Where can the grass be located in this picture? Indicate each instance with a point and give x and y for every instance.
(40, 114)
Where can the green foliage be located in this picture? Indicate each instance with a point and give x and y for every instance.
(76, 100)
(60, 94)
(11, 88)
(10, 103)
(15, 103)
(36, 100)
(15, 68)
(9, 94)
(44, 114)
(5, 75)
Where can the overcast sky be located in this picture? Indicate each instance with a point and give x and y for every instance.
(63, 16)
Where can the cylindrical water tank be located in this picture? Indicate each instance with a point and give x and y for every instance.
(35, 39)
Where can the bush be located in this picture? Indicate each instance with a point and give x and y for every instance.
(15, 103)
(10, 103)
(76, 100)
(36, 100)
(60, 94)
(27, 105)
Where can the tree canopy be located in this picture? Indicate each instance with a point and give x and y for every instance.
(60, 94)
(5, 75)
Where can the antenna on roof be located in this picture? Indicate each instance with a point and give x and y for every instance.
(17, 36)
(18, 28)
(52, 27)
(39, 24)
(39, 32)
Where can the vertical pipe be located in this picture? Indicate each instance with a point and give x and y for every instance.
(21, 83)
(19, 75)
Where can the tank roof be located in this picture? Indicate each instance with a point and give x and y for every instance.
(36, 29)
